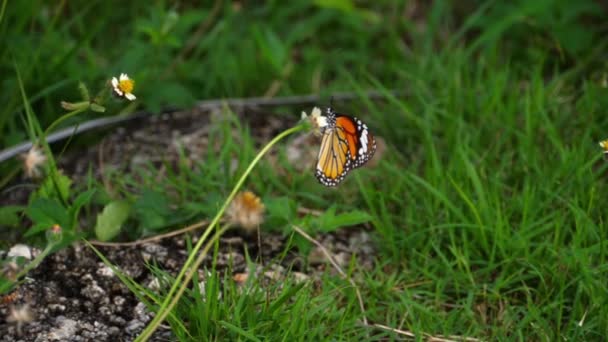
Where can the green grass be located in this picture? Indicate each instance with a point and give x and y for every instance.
(486, 206)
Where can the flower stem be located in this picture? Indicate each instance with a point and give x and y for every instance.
(63, 118)
(190, 264)
(30, 266)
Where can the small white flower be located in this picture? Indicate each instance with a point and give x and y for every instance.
(317, 121)
(123, 87)
(604, 146)
(32, 160)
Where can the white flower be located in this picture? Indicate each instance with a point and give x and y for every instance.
(604, 146)
(318, 121)
(123, 87)
(32, 160)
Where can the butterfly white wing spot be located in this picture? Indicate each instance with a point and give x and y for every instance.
(364, 141)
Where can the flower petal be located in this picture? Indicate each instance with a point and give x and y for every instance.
(130, 96)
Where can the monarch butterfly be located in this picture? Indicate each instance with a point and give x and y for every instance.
(346, 144)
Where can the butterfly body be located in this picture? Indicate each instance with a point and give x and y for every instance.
(346, 144)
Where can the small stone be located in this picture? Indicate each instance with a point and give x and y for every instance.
(134, 327)
(240, 278)
(113, 331)
(93, 292)
(152, 250)
(300, 277)
(140, 312)
(119, 301)
(20, 250)
(56, 308)
(66, 328)
(105, 271)
(273, 275)
(105, 311)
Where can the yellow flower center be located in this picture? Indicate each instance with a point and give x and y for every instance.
(126, 86)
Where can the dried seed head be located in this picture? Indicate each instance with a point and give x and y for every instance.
(246, 211)
(32, 161)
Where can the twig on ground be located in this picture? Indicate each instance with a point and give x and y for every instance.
(313, 212)
(429, 337)
(152, 238)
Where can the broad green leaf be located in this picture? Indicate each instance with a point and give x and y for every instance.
(9, 215)
(111, 219)
(38, 228)
(48, 189)
(281, 211)
(48, 211)
(329, 221)
(5, 285)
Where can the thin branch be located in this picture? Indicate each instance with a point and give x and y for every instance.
(430, 338)
(152, 238)
(313, 212)
(236, 103)
(337, 267)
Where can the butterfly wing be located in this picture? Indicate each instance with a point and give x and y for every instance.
(361, 142)
(346, 144)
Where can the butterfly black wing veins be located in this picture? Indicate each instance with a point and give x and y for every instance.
(335, 163)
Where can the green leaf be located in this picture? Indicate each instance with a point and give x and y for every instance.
(83, 198)
(239, 331)
(152, 210)
(80, 200)
(46, 212)
(6, 285)
(48, 189)
(111, 219)
(281, 211)
(174, 93)
(9, 215)
(84, 91)
(97, 108)
(38, 228)
(329, 221)
(342, 5)
(272, 48)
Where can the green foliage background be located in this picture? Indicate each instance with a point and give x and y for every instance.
(487, 206)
